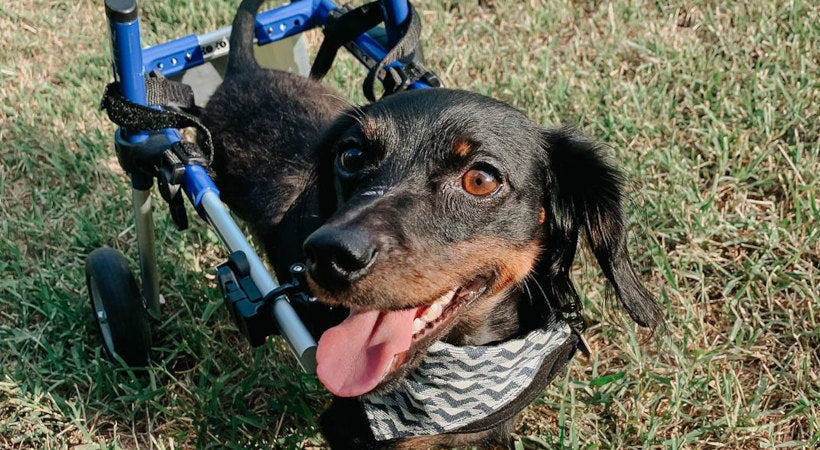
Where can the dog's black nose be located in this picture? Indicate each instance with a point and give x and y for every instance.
(336, 257)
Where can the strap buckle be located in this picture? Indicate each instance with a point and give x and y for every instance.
(572, 315)
(397, 78)
(346, 23)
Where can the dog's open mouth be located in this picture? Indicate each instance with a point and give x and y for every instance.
(355, 356)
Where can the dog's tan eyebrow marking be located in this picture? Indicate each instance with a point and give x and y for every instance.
(463, 147)
(542, 217)
(369, 126)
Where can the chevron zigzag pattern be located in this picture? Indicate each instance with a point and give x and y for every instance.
(455, 386)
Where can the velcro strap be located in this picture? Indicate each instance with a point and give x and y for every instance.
(133, 116)
(164, 92)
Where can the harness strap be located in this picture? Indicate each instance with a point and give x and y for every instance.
(344, 28)
(341, 29)
(404, 51)
(133, 116)
(162, 91)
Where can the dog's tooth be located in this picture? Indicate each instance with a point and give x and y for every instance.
(418, 325)
(445, 299)
(433, 312)
(389, 366)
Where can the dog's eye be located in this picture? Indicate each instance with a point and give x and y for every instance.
(479, 182)
(351, 160)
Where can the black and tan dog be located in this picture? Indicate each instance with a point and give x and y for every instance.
(430, 215)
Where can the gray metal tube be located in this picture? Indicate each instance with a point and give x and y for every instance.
(293, 330)
(144, 225)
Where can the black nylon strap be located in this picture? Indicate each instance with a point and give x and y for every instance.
(344, 28)
(162, 91)
(133, 116)
(403, 51)
(341, 30)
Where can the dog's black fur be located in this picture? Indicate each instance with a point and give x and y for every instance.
(398, 228)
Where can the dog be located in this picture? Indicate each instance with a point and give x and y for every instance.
(430, 215)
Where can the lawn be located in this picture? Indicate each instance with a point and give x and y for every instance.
(711, 107)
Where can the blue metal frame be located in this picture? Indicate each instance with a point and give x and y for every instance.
(132, 63)
(189, 51)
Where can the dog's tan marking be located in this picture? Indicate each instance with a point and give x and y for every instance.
(516, 263)
(463, 147)
(543, 216)
(370, 126)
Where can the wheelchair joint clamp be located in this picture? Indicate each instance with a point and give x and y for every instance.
(143, 157)
(251, 311)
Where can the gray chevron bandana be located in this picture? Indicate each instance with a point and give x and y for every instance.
(455, 386)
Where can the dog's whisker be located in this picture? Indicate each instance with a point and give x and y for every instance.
(357, 115)
(356, 112)
(341, 99)
(527, 287)
(540, 288)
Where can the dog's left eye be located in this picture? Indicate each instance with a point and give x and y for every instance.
(351, 160)
(480, 182)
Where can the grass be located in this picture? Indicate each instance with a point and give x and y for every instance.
(711, 107)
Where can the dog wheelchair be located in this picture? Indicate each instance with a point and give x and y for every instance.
(150, 110)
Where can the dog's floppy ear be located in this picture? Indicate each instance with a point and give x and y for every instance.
(585, 191)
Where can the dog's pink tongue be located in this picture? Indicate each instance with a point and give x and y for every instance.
(353, 356)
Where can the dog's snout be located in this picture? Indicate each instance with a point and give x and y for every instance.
(336, 257)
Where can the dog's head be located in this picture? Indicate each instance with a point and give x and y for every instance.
(440, 203)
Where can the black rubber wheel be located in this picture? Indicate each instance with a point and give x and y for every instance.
(118, 307)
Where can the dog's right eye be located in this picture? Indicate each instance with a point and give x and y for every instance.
(351, 160)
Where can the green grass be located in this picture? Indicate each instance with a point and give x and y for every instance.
(711, 107)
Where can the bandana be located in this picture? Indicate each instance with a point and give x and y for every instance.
(458, 386)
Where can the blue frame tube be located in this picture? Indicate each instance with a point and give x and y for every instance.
(128, 70)
(189, 51)
(126, 49)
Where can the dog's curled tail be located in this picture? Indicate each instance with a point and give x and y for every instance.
(240, 58)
